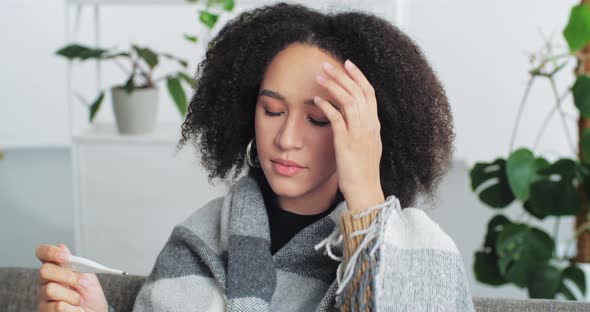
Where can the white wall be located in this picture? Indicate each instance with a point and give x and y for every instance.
(478, 48)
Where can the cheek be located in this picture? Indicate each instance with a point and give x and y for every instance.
(265, 130)
(323, 150)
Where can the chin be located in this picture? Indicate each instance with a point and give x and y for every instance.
(284, 186)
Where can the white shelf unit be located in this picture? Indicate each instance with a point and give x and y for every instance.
(121, 218)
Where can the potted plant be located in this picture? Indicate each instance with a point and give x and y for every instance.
(135, 102)
(515, 251)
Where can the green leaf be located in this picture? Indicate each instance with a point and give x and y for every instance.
(95, 106)
(149, 56)
(485, 266)
(577, 31)
(495, 227)
(486, 270)
(177, 94)
(521, 250)
(585, 176)
(119, 54)
(190, 38)
(585, 145)
(521, 170)
(496, 192)
(581, 92)
(556, 193)
(564, 167)
(188, 79)
(228, 5)
(528, 207)
(555, 198)
(544, 283)
(576, 275)
(76, 51)
(563, 289)
(207, 18)
(182, 62)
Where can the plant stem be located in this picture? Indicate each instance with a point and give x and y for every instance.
(137, 66)
(556, 232)
(582, 228)
(121, 66)
(161, 78)
(544, 126)
(81, 98)
(561, 114)
(579, 230)
(520, 110)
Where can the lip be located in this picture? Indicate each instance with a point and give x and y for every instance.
(287, 163)
(287, 171)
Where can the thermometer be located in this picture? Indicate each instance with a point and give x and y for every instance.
(84, 265)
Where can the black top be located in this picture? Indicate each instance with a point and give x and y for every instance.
(285, 224)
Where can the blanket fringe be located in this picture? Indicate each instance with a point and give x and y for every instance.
(366, 251)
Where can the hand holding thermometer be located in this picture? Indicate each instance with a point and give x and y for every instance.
(84, 265)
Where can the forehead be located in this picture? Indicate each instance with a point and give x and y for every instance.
(292, 72)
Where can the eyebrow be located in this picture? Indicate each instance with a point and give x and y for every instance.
(278, 96)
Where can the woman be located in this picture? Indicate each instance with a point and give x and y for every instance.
(341, 122)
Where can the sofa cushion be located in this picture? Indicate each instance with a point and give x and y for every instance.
(19, 287)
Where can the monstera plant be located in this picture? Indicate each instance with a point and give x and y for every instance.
(515, 251)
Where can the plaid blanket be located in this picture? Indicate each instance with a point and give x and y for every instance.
(219, 259)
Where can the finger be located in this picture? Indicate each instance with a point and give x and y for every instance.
(63, 246)
(360, 78)
(58, 292)
(51, 253)
(345, 101)
(345, 80)
(52, 306)
(334, 116)
(51, 272)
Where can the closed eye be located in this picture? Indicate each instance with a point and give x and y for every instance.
(314, 122)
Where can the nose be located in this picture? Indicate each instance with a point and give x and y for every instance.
(290, 136)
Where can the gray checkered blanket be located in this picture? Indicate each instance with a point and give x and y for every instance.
(219, 259)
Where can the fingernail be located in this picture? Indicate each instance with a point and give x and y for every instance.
(83, 282)
(63, 256)
(349, 64)
(328, 66)
(321, 79)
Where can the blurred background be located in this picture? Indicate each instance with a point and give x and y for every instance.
(115, 197)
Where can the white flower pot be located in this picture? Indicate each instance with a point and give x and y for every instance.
(135, 112)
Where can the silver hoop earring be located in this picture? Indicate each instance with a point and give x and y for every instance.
(252, 163)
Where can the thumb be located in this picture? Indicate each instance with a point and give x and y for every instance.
(64, 247)
(91, 278)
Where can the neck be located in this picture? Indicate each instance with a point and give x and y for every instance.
(314, 202)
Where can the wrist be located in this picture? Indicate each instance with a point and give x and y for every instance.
(364, 200)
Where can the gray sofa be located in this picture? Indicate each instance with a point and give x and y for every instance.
(19, 286)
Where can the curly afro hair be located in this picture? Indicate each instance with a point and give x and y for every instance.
(413, 110)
